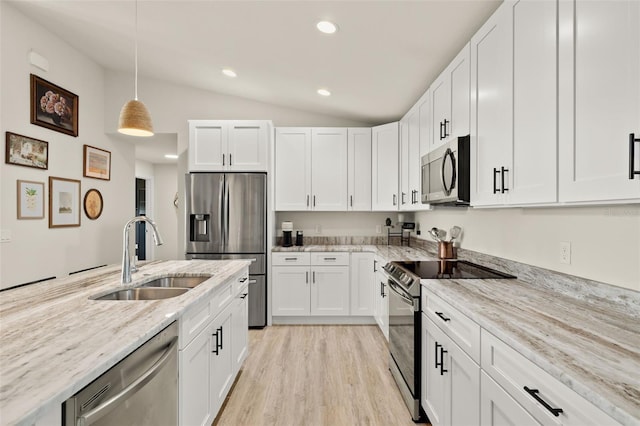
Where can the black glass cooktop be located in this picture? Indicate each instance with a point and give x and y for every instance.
(450, 269)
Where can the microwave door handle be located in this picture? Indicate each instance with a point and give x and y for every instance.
(448, 154)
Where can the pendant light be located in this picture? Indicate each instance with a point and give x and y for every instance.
(135, 119)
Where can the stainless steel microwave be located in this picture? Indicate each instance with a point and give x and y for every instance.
(446, 173)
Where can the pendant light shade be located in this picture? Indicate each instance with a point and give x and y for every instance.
(135, 119)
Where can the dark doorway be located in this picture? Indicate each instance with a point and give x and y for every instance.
(141, 210)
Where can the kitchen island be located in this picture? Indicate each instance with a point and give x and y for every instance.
(55, 340)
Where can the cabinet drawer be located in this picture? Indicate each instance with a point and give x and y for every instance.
(514, 372)
(240, 282)
(330, 258)
(290, 258)
(194, 321)
(460, 328)
(222, 297)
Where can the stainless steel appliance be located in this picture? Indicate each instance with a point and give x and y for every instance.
(405, 318)
(226, 219)
(446, 173)
(142, 389)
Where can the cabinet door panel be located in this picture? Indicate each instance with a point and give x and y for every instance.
(362, 290)
(602, 64)
(441, 97)
(465, 388)
(404, 201)
(434, 393)
(497, 408)
(290, 291)
(330, 290)
(292, 169)
(459, 73)
(359, 168)
(207, 145)
(195, 381)
(248, 146)
(385, 167)
(329, 169)
(222, 371)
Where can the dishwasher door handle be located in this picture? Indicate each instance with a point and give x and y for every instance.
(95, 414)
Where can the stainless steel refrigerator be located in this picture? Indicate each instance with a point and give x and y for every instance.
(227, 219)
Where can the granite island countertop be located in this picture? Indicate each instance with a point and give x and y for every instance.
(54, 340)
(592, 346)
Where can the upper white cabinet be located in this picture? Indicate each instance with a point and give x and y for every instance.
(513, 106)
(228, 145)
(384, 167)
(359, 168)
(599, 100)
(450, 97)
(410, 160)
(311, 169)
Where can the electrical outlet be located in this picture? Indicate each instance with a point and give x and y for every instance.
(378, 229)
(565, 252)
(318, 229)
(5, 236)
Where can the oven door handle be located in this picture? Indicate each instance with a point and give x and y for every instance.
(93, 415)
(400, 292)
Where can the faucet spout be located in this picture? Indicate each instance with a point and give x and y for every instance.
(125, 277)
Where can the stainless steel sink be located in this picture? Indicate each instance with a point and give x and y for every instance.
(175, 282)
(143, 293)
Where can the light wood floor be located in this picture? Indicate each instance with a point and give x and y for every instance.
(315, 375)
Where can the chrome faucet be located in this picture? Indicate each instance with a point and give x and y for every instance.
(128, 265)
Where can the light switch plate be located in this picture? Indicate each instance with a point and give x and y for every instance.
(5, 236)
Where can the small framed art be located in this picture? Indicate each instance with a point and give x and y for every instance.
(64, 202)
(93, 204)
(30, 199)
(25, 151)
(97, 163)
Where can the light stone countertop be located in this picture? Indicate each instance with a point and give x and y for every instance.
(54, 340)
(584, 338)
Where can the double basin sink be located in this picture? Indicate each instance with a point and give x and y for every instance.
(159, 288)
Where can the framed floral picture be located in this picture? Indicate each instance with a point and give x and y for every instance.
(30, 199)
(53, 107)
(97, 163)
(64, 202)
(26, 151)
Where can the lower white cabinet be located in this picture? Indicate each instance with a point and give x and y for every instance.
(362, 292)
(450, 380)
(210, 359)
(316, 284)
(381, 292)
(497, 408)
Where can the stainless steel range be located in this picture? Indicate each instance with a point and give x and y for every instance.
(405, 319)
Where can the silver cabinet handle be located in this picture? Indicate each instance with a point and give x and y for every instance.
(306, 279)
(403, 194)
(94, 415)
(395, 199)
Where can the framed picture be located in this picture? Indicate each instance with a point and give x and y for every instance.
(30, 199)
(53, 107)
(64, 202)
(97, 163)
(26, 151)
(93, 204)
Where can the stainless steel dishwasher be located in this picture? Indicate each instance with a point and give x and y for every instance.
(142, 389)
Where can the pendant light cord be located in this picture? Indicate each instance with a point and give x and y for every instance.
(136, 54)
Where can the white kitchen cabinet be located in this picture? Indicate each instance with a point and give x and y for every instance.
(228, 145)
(497, 408)
(599, 100)
(292, 168)
(450, 377)
(409, 172)
(311, 169)
(329, 290)
(329, 169)
(222, 366)
(239, 324)
(425, 105)
(382, 298)
(513, 124)
(450, 97)
(362, 292)
(403, 171)
(291, 291)
(384, 167)
(532, 387)
(359, 168)
(491, 107)
(213, 344)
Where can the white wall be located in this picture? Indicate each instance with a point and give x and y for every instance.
(35, 250)
(165, 213)
(334, 224)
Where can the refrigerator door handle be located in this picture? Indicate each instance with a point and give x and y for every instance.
(226, 212)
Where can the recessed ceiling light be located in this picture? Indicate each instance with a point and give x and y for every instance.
(229, 72)
(324, 92)
(171, 156)
(326, 27)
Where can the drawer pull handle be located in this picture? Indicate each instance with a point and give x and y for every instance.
(534, 393)
(442, 317)
(243, 279)
(290, 258)
(329, 258)
(243, 295)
